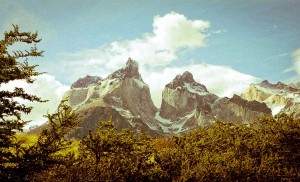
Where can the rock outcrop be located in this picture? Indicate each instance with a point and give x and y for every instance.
(183, 95)
(236, 109)
(123, 96)
(278, 97)
(86, 81)
(188, 104)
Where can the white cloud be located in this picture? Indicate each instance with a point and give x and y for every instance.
(46, 87)
(157, 50)
(220, 80)
(171, 34)
(296, 61)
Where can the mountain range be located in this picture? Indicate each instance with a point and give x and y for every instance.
(186, 104)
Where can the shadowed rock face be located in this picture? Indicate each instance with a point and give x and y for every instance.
(123, 95)
(187, 104)
(86, 81)
(183, 95)
(251, 105)
(238, 110)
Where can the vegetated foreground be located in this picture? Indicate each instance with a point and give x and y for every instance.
(266, 150)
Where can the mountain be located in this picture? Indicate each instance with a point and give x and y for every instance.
(237, 109)
(180, 98)
(295, 85)
(187, 104)
(123, 95)
(279, 97)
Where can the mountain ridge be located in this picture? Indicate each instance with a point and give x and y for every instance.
(186, 104)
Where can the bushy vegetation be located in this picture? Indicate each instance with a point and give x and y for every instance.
(267, 150)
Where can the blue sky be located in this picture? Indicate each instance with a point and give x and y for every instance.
(225, 44)
(259, 39)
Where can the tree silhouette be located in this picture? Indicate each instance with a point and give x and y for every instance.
(14, 66)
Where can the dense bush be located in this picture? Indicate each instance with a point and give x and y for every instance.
(267, 150)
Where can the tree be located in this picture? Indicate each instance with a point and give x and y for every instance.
(52, 140)
(14, 66)
(119, 156)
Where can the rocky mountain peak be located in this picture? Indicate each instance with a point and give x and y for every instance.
(275, 96)
(267, 84)
(187, 82)
(86, 81)
(131, 70)
(186, 77)
(132, 63)
(278, 86)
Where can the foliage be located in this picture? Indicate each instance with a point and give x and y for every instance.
(44, 150)
(11, 68)
(267, 150)
(106, 154)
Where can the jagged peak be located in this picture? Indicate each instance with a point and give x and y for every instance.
(278, 86)
(132, 63)
(86, 81)
(131, 70)
(187, 81)
(186, 77)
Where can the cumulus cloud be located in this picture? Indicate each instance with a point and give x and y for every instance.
(155, 51)
(46, 87)
(171, 34)
(158, 50)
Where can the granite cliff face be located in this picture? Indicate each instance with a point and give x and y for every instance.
(186, 104)
(183, 95)
(278, 97)
(236, 109)
(123, 96)
(86, 81)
